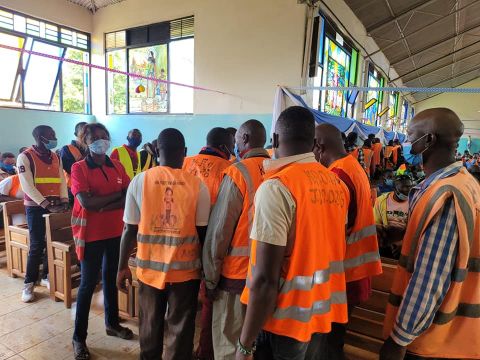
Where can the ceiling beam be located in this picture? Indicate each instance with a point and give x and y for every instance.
(450, 78)
(389, 21)
(392, 44)
(430, 46)
(438, 59)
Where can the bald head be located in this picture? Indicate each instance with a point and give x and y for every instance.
(250, 135)
(435, 133)
(329, 144)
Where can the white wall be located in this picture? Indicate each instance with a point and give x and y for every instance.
(242, 47)
(61, 12)
(467, 106)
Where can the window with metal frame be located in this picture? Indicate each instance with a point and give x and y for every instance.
(153, 55)
(43, 80)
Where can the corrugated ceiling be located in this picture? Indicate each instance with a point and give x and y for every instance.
(430, 43)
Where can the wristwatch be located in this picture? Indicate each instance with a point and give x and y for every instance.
(244, 350)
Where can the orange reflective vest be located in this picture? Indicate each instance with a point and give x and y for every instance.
(247, 176)
(311, 290)
(389, 157)
(361, 258)
(454, 332)
(270, 152)
(168, 247)
(368, 159)
(396, 150)
(208, 168)
(15, 188)
(77, 155)
(46, 176)
(377, 150)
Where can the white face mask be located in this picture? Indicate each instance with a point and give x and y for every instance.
(99, 147)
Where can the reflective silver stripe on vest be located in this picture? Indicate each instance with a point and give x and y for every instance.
(78, 221)
(239, 251)
(362, 259)
(362, 234)
(164, 267)
(308, 282)
(251, 192)
(305, 314)
(166, 240)
(79, 242)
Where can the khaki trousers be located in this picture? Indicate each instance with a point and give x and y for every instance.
(228, 316)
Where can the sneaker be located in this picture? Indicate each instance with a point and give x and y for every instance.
(45, 283)
(27, 294)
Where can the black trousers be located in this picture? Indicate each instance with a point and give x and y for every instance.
(181, 299)
(275, 347)
(102, 254)
(37, 251)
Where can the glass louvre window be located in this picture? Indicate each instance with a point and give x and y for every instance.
(75, 80)
(163, 51)
(37, 81)
(41, 74)
(371, 111)
(10, 64)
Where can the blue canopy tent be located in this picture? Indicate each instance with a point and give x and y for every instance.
(344, 124)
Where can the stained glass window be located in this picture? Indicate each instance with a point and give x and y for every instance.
(148, 95)
(337, 73)
(169, 56)
(371, 112)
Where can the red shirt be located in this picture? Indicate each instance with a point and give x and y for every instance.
(100, 180)
(360, 290)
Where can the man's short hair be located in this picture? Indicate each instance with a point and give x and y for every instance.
(218, 136)
(296, 124)
(7, 155)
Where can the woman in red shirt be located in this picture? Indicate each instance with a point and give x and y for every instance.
(99, 185)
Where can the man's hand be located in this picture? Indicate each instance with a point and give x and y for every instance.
(122, 276)
(56, 208)
(392, 351)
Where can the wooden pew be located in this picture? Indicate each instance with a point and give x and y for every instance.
(64, 272)
(17, 239)
(3, 252)
(64, 266)
(128, 303)
(366, 322)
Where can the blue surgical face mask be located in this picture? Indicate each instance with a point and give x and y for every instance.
(8, 167)
(401, 196)
(236, 152)
(410, 158)
(389, 182)
(99, 147)
(134, 142)
(50, 144)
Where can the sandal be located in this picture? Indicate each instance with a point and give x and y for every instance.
(120, 332)
(80, 350)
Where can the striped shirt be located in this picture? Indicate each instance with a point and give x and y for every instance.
(434, 264)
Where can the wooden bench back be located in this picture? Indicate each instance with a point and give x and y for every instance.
(59, 227)
(11, 208)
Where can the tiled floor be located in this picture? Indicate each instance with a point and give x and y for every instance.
(43, 330)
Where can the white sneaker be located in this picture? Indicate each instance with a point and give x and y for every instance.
(45, 283)
(27, 294)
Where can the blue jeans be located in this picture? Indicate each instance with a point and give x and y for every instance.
(102, 254)
(37, 251)
(276, 347)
